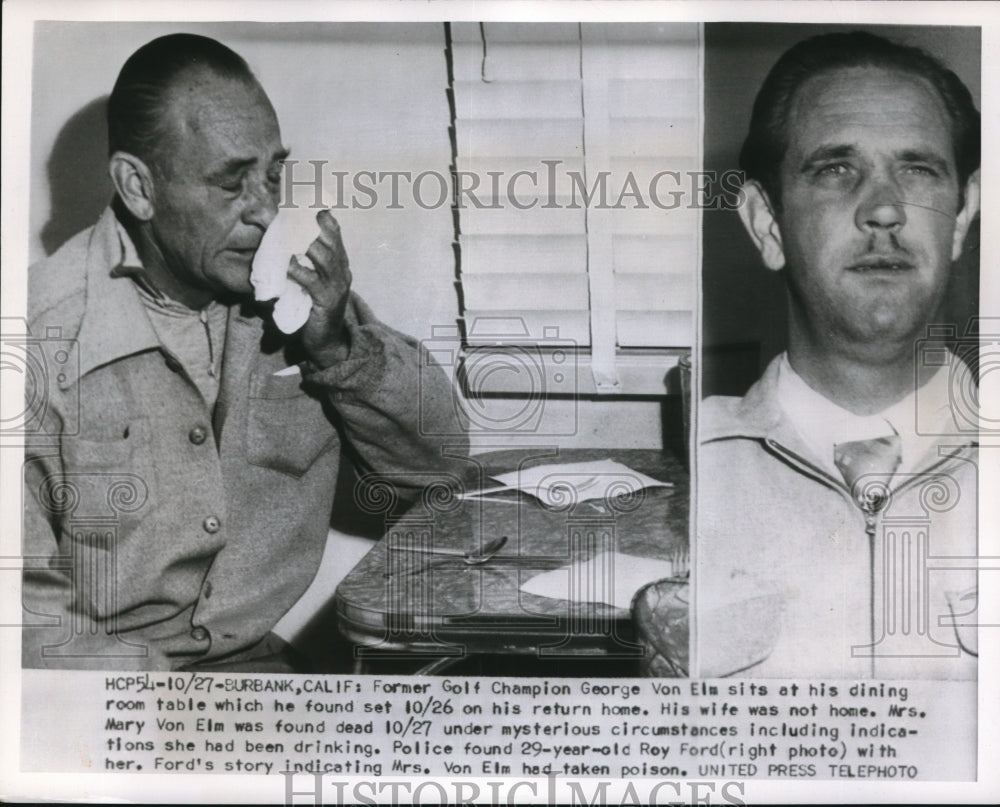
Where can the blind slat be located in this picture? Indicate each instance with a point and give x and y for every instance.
(522, 179)
(536, 221)
(653, 253)
(520, 61)
(654, 137)
(642, 98)
(654, 61)
(516, 327)
(512, 100)
(526, 253)
(665, 184)
(542, 32)
(635, 221)
(654, 292)
(554, 292)
(655, 329)
(556, 139)
(674, 35)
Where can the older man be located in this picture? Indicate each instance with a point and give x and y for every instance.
(180, 489)
(827, 515)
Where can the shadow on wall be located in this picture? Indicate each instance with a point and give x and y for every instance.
(77, 170)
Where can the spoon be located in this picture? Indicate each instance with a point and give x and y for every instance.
(471, 558)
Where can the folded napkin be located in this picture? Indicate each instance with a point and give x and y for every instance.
(610, 577)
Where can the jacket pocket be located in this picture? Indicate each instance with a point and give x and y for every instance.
(104, 501)
(287, 429)
(101, 479)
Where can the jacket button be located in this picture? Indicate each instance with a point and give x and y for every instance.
(199, 634)
(207, 589)
(211, 524)
(198, 435)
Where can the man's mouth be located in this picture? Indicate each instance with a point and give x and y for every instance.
(876, 264)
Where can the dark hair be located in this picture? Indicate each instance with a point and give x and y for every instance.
(135, 108)
(764, 149)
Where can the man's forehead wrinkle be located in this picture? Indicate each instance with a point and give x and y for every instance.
(827, 151)
(223, 118)
(850, 103)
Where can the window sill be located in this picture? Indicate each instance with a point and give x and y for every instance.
(550, 371)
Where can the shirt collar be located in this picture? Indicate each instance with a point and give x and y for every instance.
(920, 418)
(114, 322)
(129, 255)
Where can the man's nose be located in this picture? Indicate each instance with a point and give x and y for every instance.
(881, 209)
(261, 206)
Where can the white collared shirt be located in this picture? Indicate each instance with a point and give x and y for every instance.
(919, 419)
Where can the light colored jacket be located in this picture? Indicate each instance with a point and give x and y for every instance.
(794, 581)
(158, 533)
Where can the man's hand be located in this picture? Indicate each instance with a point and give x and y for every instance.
(324, 335)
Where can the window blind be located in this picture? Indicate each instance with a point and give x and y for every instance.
(573, 145)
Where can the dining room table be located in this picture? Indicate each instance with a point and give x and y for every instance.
(547, 567)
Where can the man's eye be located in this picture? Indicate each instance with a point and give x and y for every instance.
(232, 186)
(921, 170)
(833, 169)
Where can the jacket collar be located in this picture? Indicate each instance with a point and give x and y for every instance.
(758, 415)
(114, 323)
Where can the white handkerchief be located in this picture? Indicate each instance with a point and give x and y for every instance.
(562, 483)
(609, 577)
(291, 233)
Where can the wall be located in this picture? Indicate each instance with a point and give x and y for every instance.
(742, 301)
(362, 97)
(332, 106)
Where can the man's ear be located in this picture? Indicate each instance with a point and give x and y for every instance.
(133, 182)
(966, 215)
(761, 225)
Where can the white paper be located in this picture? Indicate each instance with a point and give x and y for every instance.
(291, 232)
(556, 483)
(609, 577)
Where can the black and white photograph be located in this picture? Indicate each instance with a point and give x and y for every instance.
(463, 460)
(863, 335)
(477, 403)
